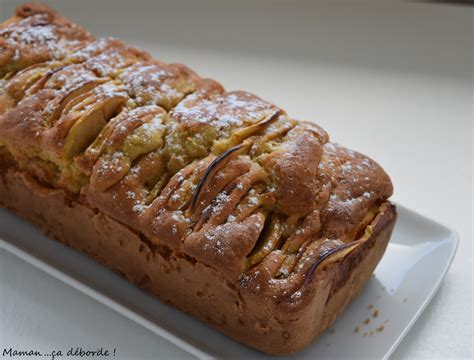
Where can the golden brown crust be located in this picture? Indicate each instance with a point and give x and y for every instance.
(51, 34)
(266, 317)
(223, 180)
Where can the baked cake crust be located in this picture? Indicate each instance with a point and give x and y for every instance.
(216, 202)
(249, 316)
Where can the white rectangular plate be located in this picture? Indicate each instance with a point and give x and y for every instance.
(417, 258)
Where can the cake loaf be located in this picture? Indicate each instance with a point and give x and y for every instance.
(216, 202)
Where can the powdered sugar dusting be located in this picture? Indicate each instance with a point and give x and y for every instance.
(213, 243)
(224, 111)
(148, 83)
(24, 34)
(138, 208)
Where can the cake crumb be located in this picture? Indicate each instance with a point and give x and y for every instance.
(365, 334)
(357, 328)
(376, 313)
(367, 321)
(370, 306)
(380, 328)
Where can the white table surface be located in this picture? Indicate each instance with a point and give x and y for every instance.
(392, 80)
